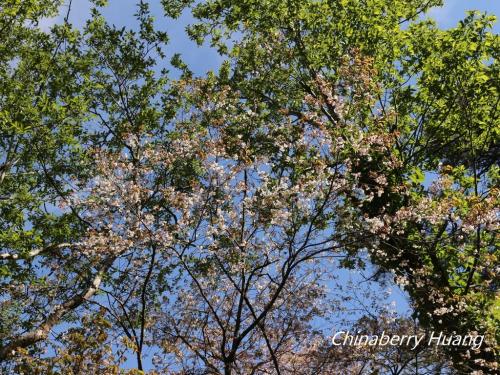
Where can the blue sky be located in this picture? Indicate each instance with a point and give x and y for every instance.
(448, 15)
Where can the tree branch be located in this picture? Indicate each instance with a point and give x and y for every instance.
(43, 330)
(35, 252)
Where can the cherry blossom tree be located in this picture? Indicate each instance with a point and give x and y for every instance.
(203, 225)
(225, 268)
